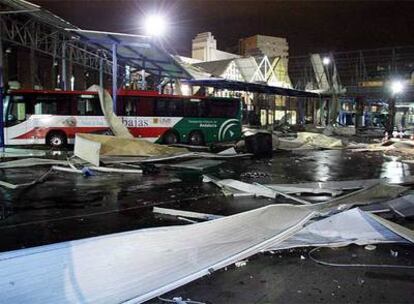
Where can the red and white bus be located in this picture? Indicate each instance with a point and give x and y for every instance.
(54, 117)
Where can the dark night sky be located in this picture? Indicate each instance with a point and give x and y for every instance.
(308, 26)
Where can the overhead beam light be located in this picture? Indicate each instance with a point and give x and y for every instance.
(326, 60)
(155, 25)
(397, 87)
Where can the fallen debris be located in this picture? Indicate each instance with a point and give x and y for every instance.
(241, 263)
(353, 226)
(403, 206)
(196, 164)
(402, 231)
(375, 193)
(89, 147)
(31, 162)
(115, 124)
(182, 213)
(237, 186)
(98, 169)
(309, 140)
(370, 247)
(38, 180)
(139, 265)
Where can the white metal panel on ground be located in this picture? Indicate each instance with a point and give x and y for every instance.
(139, 265)
(403, 206)
(402, 231)
(349, 227)
(87, 150)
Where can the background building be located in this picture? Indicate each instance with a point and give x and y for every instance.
(260, 45)
(204, 48)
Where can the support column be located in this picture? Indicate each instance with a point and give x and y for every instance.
(101, 80)
(389, 127)
(64, 74)
(301, 111)
(359, 112)
(1, 95)
(321, 112)
(143, 79)
(114, 74)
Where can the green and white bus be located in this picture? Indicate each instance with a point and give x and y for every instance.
(54, 117)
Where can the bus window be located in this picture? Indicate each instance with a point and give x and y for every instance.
(192, 108)
(146, 106)
(169, 107)
(88, 105)
(52, 104)
(45, 107)
(223, 108)
(176, 107)
(129, 106)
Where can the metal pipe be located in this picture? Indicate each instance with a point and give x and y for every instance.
(114, 74)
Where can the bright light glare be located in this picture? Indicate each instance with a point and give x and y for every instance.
(155, 25)
(186, 90)
(326, 60)
(397, 87)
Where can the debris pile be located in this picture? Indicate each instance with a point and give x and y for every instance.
(142, 264)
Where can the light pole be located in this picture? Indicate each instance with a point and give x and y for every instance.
(397, 87)
(155, 26)
(326, 61)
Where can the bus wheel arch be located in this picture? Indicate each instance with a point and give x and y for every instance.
(170, 137)
(196, 138)
(56, 138)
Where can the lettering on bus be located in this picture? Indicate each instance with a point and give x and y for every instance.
(132, 122)
(205, 123)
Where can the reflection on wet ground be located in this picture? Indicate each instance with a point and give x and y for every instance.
(69, 206)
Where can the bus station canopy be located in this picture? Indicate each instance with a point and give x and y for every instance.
(233, 85)
(137, 51)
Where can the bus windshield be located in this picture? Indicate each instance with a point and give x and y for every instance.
(16, 108)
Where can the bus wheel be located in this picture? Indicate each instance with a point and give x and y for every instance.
(170, 138)
(56, 139)
(196, 138)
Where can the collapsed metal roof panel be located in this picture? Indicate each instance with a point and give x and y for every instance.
(221, 83)
(137, 51)
(37, 12)
(216, 68)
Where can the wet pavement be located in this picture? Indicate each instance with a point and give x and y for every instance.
(69, 206)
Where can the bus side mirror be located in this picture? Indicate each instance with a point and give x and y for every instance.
(11, 117)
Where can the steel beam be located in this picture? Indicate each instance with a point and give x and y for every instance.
(114, 74)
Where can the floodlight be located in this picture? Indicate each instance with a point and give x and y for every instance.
(397, 87)
(155, 25)
(326, 60)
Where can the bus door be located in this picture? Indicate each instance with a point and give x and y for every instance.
(17, 114)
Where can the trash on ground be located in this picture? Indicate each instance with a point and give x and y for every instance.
(241, 263)
(370, 247)
(394, 253)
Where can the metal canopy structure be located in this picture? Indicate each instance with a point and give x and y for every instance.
(220, 83)
(136, 51)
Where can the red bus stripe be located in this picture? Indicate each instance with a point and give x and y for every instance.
(71, 131)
